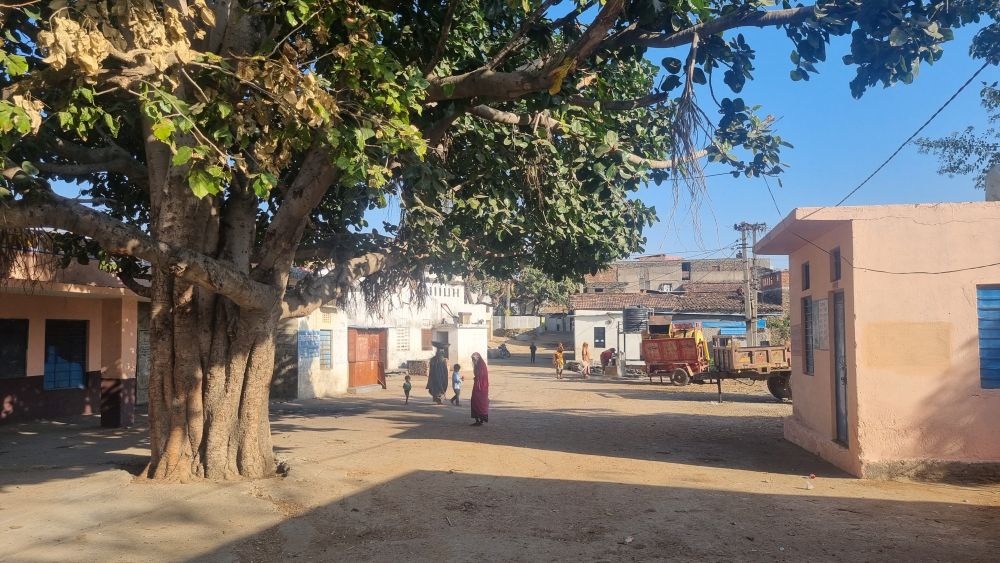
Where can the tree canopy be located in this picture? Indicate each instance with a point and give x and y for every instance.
(970, 151)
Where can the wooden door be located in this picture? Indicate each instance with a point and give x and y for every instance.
(365, 348)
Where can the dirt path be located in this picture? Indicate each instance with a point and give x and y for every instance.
(565, 470)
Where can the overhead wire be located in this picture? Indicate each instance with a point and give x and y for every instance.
(873, 174)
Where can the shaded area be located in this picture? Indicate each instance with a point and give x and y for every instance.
(746, 442)
(474, 517)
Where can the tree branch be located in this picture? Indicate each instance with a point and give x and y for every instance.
(312, 293)
(443, 38)
(316, 175)
(555, 126)
(134, 286)
(117, 238)
(515, 40)
(620, 105)
(90, 160)
(544, 74)
(735, 20)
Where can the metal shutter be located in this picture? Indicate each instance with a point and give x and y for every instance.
(988, 310)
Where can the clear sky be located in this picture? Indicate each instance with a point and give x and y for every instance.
(838, 142)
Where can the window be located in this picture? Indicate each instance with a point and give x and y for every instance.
(598, 290)
(65, 354)
(988, 311)
(426, 339)
(805, 276)
(835, 264)
(325, 349)
(13, 347)
(598, 337)
(808, 355)
(666, 287)
(402, 338)
(685, 270)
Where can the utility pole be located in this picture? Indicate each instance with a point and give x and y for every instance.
(749, 277)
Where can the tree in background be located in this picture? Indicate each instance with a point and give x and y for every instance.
(218, 143)
(525, 293)
(970, 151)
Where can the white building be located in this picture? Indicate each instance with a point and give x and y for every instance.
(335, 350)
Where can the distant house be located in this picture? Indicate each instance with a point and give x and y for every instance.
(774, 288)
(597, 317)
(660, 272)
(337, 350)
(68, 342)
(895, 325)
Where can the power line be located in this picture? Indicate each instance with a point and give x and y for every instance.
(904, 143)
(879, 169)
(774, 201)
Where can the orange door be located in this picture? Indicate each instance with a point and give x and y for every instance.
(364, 350)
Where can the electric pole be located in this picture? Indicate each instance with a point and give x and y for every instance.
(749, 277)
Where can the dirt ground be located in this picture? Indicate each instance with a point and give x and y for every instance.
(566, 470)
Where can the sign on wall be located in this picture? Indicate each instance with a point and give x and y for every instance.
(821, 324)
(309, 343)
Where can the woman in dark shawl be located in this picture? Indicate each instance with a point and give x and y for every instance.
(437, 374)
(480, 390)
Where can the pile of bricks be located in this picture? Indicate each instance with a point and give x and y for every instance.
(417, 367)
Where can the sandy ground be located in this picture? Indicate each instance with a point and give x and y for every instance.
(566, 470)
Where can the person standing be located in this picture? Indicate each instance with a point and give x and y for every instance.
(480, 390)
(559, 360)
(437, 376)
(406, 389)
(585, 360)
(533, 349)
(456, 383)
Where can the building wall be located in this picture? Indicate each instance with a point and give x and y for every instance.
(111, 353)
(304, 373)
(918, 338)
(915, 400)
(813, 422)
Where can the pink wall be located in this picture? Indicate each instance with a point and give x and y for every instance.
(918, 338)
(813, 422)
(114, 356)
(914, 392)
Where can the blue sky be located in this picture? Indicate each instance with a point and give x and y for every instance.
(838, 142)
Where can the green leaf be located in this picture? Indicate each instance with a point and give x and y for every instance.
(163, 129)
(182, 156)
(224, 109)
(898, 37)
(16, 65)
(29, 168)
(264, 183)
(201, 183)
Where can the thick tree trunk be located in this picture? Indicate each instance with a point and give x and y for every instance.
(211, 360)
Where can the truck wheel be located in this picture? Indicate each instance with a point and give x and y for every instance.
(680, 376)
(780, 387)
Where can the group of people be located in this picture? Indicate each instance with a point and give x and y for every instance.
(559, 359)
(437, 383)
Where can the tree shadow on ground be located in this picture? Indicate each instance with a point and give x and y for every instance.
(745, 442)
(52, 450)
(442, 516)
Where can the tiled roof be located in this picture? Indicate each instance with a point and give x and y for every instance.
(692, 303)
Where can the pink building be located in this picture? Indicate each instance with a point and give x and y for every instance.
(67, 343)
(895, 314)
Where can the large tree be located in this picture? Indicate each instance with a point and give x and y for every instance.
(970, 151)
(217, 144)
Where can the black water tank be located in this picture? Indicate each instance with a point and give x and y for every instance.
(636, 319)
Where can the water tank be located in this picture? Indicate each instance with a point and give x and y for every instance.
(635, 319)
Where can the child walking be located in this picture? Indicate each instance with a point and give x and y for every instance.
(406, 389)
(456, 383)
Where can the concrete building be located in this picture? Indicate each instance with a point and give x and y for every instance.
(774, 288)
(895, 325)
(337, 350)
(667, 273)
(597, 317)
(68, 341)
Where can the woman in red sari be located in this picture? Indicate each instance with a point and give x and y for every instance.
(480, 390)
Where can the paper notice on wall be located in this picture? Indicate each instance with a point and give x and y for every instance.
(821, 324)
(308, 344)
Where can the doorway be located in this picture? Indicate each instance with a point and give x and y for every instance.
(840, 368)
(366, 356)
